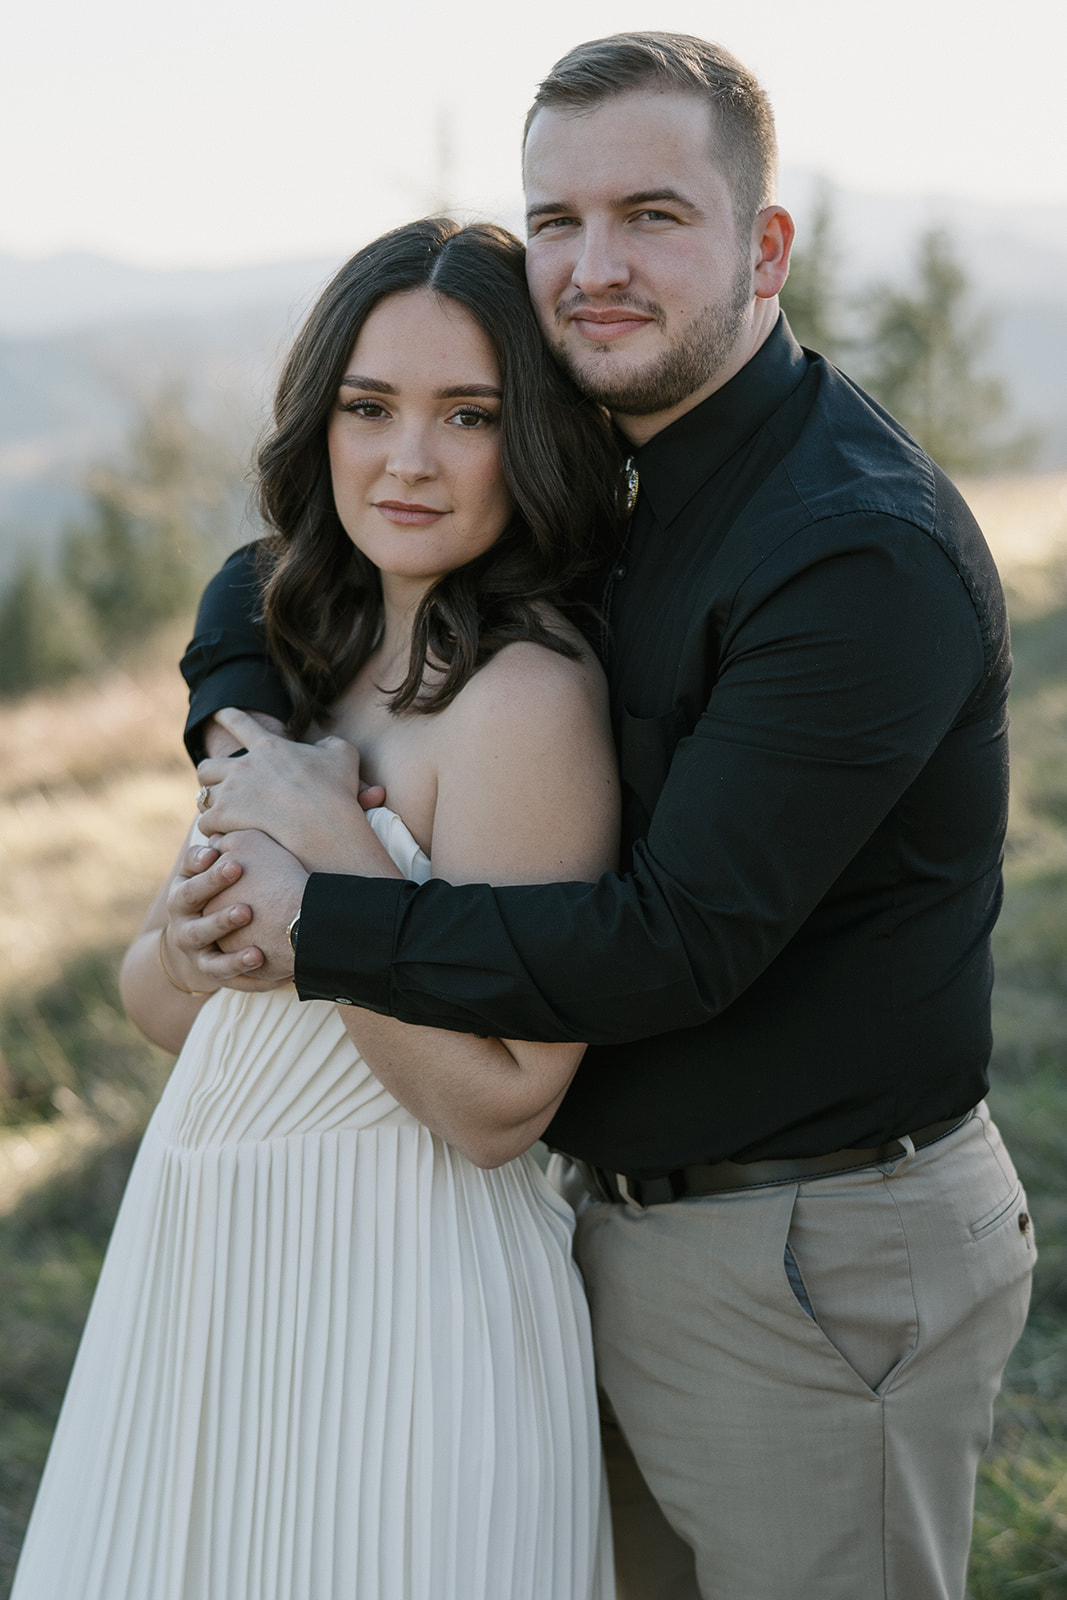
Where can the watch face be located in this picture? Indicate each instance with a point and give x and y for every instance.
(291, 932)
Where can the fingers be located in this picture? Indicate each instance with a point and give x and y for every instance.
(197, 859)
(371, 795)
(218, 742)
(189, 894)
(247, 730)
(224, 966)
(194, 934)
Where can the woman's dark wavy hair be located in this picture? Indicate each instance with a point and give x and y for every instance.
(322, 603)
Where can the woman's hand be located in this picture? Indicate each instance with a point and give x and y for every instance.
(307, 797)
(193, 934)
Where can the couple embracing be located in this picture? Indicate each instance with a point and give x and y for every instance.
(740, 982)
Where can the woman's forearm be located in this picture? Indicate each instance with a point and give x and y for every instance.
(156, 1003)
(489, 1099)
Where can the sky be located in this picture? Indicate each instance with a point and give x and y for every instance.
(227, 132)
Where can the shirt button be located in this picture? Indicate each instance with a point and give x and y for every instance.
(620, 572)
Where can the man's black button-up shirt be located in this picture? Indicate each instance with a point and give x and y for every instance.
(807, 651)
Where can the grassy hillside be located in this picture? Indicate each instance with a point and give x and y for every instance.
(95, 793)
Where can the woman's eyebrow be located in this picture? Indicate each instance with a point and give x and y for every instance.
(458, 391)
(453, 391)
(356, 380)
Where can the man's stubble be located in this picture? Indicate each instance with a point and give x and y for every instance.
(684, 367)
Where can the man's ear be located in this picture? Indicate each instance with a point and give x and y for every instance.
(772, 240)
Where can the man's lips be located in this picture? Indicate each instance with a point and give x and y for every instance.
(613, 322)
(406, 513)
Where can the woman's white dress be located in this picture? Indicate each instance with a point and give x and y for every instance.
(328, 1357)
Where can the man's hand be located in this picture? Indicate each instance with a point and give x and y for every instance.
(306, 797)
(220, 742)
(270, 883)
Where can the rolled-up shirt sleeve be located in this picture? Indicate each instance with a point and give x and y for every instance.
(226, 662)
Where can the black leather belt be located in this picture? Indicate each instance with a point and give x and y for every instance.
(722, 1177)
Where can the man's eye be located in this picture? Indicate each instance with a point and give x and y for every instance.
(552, 224)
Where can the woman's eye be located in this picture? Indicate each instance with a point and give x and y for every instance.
(471, 417)
(372, 409)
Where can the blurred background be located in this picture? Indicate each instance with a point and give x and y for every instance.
(177, 186)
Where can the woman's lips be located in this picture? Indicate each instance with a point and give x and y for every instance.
(407, 515)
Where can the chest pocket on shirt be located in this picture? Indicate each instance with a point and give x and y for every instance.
(646, 750)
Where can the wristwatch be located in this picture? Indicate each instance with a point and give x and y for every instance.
(291, 932)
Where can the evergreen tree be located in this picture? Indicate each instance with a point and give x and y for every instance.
(47, 634)
(923, 356)
(811, 298)
(155, 525)
(140, 556)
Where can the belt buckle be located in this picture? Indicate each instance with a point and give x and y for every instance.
(628, 1196)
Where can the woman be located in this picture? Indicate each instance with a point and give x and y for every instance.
(331, 1354)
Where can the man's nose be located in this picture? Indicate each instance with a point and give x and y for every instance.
(602, 265)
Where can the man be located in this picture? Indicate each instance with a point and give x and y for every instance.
(809, 1255)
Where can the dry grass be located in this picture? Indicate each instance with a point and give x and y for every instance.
(95, 791)
(1025, 521)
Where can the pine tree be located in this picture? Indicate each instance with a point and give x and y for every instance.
(153, 522)
(812, 298)
(47, 634)
(923, 364)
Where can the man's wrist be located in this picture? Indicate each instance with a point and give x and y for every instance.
(345, 939)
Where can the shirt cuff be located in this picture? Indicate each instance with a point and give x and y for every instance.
(344, 949)
(250, 684)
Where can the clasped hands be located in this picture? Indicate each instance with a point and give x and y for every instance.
(276, 814)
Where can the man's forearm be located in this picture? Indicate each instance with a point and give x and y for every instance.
(226, 662)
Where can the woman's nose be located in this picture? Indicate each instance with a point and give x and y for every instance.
(411, 457)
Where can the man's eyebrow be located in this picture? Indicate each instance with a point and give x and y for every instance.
(549, 208)
(645, 197)
(454, 391)
(642, 197)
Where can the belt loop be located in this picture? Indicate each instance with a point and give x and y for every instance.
(631, 1199)
(906, 1159)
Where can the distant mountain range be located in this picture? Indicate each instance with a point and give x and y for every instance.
(84, 340)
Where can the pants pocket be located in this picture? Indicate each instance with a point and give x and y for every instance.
(847, 1263)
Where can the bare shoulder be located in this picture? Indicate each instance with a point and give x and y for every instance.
(527, 785)
(527, 686)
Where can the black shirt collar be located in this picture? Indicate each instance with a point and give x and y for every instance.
(676, 462)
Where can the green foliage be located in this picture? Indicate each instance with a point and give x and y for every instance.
(922, 360)
(51, 1251)
(71, 1043)
(47, 632)
(812, 297)
(155, 525)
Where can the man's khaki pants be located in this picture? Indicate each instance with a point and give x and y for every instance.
(828, 1455)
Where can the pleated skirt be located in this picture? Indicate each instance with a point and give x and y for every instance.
(327, 1357)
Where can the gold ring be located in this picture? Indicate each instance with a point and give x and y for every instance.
(203, 797)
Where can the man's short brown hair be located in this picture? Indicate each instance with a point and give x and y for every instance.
(602, 68)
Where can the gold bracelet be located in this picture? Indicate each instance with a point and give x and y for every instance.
(173, 981)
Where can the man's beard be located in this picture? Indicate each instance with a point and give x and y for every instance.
(683, 368)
